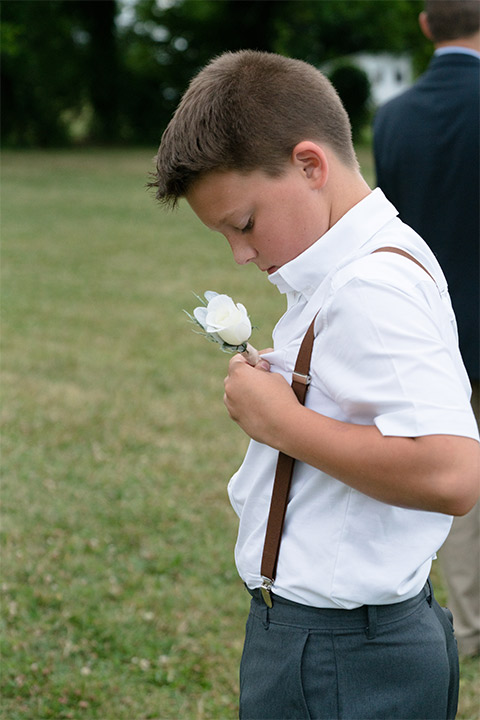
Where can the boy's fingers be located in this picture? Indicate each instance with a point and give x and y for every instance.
(238, 358)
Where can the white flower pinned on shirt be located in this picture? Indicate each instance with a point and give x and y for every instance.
(225, 322)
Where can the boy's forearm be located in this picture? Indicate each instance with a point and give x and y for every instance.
(438, 473)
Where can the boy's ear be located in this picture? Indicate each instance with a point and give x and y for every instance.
(312, 160)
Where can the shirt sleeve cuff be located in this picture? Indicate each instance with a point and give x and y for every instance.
(406, 423)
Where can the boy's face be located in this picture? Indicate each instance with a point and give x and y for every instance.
(267, 221)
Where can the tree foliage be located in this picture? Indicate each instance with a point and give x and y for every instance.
(353, 86)
(70, 64)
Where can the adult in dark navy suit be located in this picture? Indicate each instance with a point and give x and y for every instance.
(427, 151)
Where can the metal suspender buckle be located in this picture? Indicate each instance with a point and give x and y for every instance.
(265, 590)
(300, 378)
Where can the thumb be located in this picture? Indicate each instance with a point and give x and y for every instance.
(263, 365)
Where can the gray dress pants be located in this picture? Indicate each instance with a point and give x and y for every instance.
(385, 662)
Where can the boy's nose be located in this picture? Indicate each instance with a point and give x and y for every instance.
(242, 252)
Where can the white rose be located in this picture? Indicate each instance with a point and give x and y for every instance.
(224, 318)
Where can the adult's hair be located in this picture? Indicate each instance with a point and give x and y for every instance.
(246, 111)
(452, 19)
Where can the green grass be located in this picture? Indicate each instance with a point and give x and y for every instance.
(120, 596)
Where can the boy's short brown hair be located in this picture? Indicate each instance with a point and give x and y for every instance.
(246, 111)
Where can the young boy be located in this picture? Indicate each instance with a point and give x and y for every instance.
(386, 446)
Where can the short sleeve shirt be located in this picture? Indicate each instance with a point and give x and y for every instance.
(385, 354)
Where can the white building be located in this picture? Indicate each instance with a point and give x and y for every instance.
(389, 75)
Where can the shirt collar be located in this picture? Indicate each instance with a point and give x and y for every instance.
(458, 49)
(304, 273)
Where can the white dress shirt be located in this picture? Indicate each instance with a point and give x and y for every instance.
(385, 354)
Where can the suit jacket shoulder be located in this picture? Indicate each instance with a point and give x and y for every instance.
(427, 159)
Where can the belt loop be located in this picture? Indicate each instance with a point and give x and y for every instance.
(371, 629)
(429, 591)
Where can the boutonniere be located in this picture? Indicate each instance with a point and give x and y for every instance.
(225, 322)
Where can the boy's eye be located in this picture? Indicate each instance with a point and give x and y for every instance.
(248, 226)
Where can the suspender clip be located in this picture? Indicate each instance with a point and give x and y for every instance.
(303, 379)
(265, 590)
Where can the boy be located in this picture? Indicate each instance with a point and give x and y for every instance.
(386, 447)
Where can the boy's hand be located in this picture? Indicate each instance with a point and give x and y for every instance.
(258, 400)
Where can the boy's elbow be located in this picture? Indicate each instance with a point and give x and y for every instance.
(467, 500)
(452, 480)
(462, 505)
(462, 482)
(457, 498)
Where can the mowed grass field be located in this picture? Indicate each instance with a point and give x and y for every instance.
(120, 599)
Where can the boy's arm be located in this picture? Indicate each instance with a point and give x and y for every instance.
(440, 473)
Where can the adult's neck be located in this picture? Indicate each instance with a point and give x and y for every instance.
(471, 43)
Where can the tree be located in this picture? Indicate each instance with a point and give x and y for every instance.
(319, 31)
(101, 64)
(57, 56)
(40, 80)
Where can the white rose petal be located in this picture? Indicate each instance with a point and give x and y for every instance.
(225, 318)
(200, 315)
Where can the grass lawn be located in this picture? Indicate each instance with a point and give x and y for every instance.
(120, 596)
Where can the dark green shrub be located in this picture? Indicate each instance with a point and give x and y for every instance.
(353, 86)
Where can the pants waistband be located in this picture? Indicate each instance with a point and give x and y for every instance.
(292, 613)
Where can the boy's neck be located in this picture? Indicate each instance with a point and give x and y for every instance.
(348, 189)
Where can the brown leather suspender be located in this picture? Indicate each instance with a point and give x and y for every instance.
(405, 254)
(285, 463)
(283, 474)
